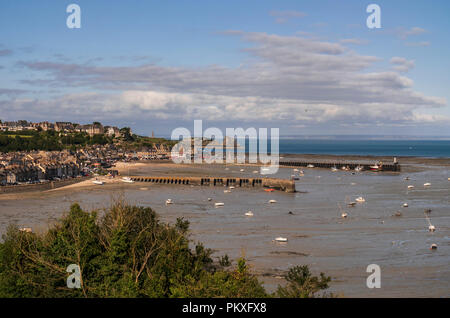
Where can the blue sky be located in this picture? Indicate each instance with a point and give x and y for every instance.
(308, 67)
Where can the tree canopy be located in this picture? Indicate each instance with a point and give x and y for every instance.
(128, 252)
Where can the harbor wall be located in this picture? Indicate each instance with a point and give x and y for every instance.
(40, 186)
(278, 184)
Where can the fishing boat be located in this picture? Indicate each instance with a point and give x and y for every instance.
(375, 168)
(127, 180)
(281, 239)
(218, 204)
(410, 187)
(433, 246)
(169, 201)
(249, 213)
(405, 205)
(360, 199)
(272, 201)
(427, 184)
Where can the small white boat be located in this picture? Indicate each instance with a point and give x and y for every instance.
(344, 215)
(231, 187)
(169, 201)
(281, 239)
(358, 168)
(255, 171)
(360, 199)
(406, 178)
(334, 169)
(249, 213)
(351, 204)
(405, 205)
(272, 201)
(98, 182)
(427, 184)
(242, 170)
(375, 168)
(310, 166)
(433, 246)
(346, 168)
(219, 204)
(296, 170)
(209, 199)
(127, 180)
(410, 187)
(431, 228)
(448, 179)
(226, 191)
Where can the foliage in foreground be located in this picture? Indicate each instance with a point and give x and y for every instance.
(128, 252)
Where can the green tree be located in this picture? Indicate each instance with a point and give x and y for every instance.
(301, 284)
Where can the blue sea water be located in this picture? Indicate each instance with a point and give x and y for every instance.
(413, 148)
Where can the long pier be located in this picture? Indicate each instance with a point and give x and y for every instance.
(278, 184)
(394, 167)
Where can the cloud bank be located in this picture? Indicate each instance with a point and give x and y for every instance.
(286, 81)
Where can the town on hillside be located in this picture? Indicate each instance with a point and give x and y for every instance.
(95, 128)
(47, 152)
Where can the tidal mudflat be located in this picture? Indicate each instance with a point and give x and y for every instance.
(379, 231)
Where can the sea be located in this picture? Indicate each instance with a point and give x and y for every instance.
(403, 148)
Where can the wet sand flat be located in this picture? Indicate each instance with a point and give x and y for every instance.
(317, 235)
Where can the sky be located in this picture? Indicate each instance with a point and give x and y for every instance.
(305, 67)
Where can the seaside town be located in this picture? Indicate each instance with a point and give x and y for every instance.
(38, 166)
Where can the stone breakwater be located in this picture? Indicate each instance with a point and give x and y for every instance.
(278, 184)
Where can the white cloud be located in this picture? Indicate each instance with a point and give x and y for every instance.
(414, 31)
(288, 80)
(401, 64)
(285, 16)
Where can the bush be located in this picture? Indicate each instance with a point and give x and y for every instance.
(301, 284)
(127, 252)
